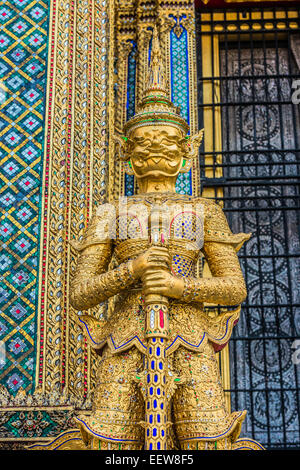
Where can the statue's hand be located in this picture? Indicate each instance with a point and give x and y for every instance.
(155, 257)
(161, 282)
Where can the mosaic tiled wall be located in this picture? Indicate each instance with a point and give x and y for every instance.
(23, 56)
(130, 107)
(180, 91)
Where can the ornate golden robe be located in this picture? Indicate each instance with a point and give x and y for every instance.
(196, 227)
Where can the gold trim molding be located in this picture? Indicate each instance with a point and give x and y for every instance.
(75, 179)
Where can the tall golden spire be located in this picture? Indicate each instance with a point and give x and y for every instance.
(156, 108)
(156, 80)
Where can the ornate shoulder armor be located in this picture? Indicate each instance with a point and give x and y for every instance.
(216, 228)
(101, 228)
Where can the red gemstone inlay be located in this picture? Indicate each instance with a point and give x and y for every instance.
(161, 318)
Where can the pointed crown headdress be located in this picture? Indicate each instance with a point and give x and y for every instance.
(156, 108)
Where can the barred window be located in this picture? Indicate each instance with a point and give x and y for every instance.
(253, 171)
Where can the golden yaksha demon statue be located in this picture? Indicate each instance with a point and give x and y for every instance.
(158, 384)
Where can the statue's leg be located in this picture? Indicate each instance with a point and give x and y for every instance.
(118, 406)
(202, 420)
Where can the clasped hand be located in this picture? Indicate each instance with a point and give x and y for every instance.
(153, 268)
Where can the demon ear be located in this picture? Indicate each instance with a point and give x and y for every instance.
(193, 143)
(121, 146)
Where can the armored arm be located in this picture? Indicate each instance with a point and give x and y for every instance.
(227, 286)
(92, 283)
